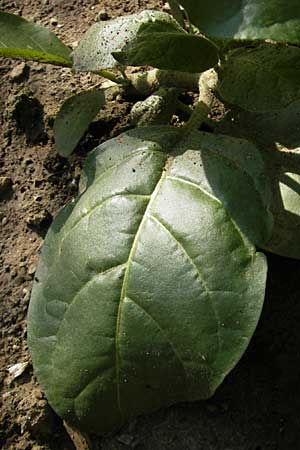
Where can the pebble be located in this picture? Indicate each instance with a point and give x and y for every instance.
(53, 21)
(31, 269)
(74, 44)
(102, 15)
(5, 183)
(38, 218)
(19, 72)
(4, 220)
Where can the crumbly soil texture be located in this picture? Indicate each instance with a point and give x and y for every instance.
(258, 405)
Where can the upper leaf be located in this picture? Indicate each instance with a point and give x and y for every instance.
(94, 51)
(24, 40)
(171, 51)
(247, 19)
(261, 79)
(148, 291)
(74, 117)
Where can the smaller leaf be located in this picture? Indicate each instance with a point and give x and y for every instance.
(74, 118)
(171, 51)
(20, 39)
(94, 51)
(261, 79)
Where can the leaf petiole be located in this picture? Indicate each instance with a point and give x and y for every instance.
(207, 83)
(111, 76)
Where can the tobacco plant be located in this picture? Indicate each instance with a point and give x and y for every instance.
(149, 286)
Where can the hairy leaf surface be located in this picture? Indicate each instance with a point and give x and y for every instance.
(94, 51)
(148, 291)
(170, 51)
(73, 119)
(24, 40)
(261, 79)
(247, 19)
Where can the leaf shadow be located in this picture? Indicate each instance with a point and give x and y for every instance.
(277, 136)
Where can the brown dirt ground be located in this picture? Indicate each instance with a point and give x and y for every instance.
(257, 407)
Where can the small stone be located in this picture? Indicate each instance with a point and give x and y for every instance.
(4, 221)
(53, 21)
(102, 15)
(5, 183)
(74, 44)
(38, 218)
(17, 370)
(19, 72)
(31, 269)
(166, 7)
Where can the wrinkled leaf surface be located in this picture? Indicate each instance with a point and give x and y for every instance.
(170, 51)
(24, 40)
(262, 79)
(148, 291)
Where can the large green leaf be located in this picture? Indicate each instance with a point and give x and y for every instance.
(261, 79)
(24, 40)
(148, 291)
(74, 117)
(94, 51)
(277, 136)
(171, 51)
(247, 19)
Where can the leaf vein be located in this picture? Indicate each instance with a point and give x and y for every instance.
(125, 282)
(95, 207)
(199, 274)
(175, 351)
(234, 224)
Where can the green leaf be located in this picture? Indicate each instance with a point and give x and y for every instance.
(276, 135)
(285, 239)
(148, 291)
(171, 51)
(73, 119)
(261, 79)
(249, 19)
(20, 39)
(94, 51)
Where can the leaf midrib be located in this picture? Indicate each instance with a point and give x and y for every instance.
(125, 281)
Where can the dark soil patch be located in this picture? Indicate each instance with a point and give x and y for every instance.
(257, 408)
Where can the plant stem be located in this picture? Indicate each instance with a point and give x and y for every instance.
(199, 115)
(146, 83)
(183, 110)
(111, 76)
(207, 83)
